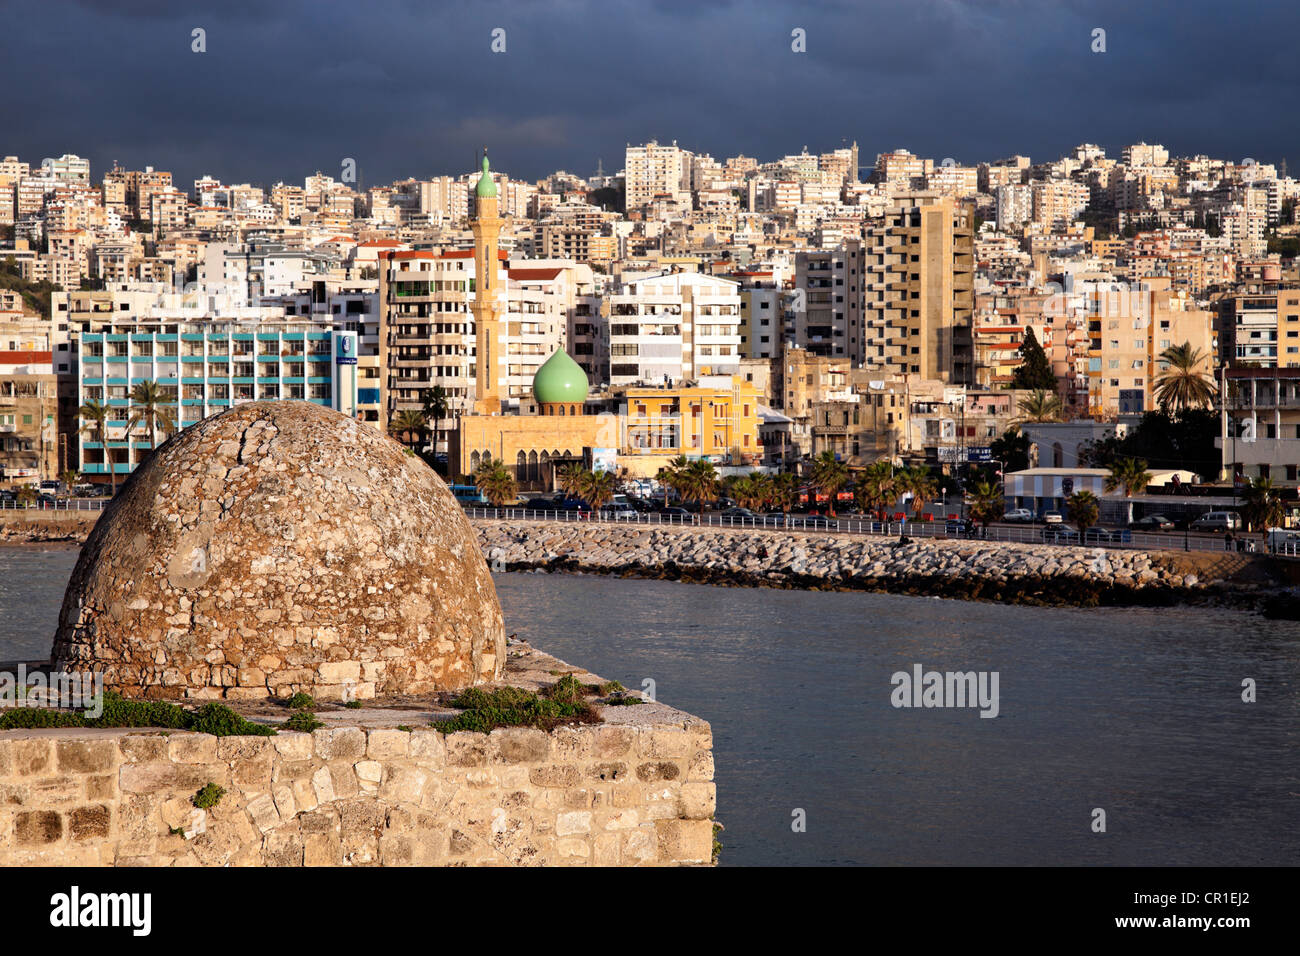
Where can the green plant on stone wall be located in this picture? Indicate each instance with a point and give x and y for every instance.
(208, 797)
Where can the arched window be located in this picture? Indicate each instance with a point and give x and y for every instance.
(521, 467)
(561, 409)
(1058, 455)
(473, 461)
(534, 472)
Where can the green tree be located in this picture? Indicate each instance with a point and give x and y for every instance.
(493, 478)
(407, 423)
(1034, 371)
(597, 488)
(785, 491)
(986, 503)
(94, 416)
(874, 488)
(1083, 508)
(150, 408)
(672, 477)
(1184, 440)
(752, 491)
(829, 476)
(918, 482)
(698, 482)
(1040, 406)
(26, 496)
(1130, 474)
(1263, 507)
(1012, 449)
(1183, 384)
(437, 403)
(569, 478)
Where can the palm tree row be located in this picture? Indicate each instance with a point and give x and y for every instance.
(597, 488)
(693, 481)
(880, 484)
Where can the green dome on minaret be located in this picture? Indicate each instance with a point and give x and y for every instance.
(486, 188)
(560, 380)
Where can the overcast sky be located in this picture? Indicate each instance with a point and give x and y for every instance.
(412, 87)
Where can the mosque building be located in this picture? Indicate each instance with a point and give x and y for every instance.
(633, 429)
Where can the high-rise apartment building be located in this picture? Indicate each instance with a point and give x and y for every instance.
(919, 290)
(653, 171)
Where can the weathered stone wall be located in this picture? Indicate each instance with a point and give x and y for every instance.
(281, 547)
(1025, 573)
(627, 793)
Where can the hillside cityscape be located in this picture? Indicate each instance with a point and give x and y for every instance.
(1036, 327)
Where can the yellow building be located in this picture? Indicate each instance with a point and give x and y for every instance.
(714, 418)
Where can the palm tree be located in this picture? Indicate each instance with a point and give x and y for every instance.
(493, 478)
(151, 409)
(569, 478)
(1182, 384)
(94, 422)
(752, 491)
(829, 476)
(26, 496)
(597, 488)
(986, 503)
(436, 405)
(920, 484)
(671, 477)
(1263, 505)
(699, 482)
(875, 487)
(1084, 508)
(69, 477)
(784, 491)
(1040, 406)
(1130, 474)
(408, 423)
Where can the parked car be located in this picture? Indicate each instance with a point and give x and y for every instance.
(775, 519)
(619, 511)
(1059, 534)
(1053, 517)
(1153, 523)
(733, 514)
(674, 513)
(1108, 536)
(1217, 521)
(1019, 516)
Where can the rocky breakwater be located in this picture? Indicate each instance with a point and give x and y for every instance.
(974, 570)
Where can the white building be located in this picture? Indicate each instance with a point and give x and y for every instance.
(672, 326)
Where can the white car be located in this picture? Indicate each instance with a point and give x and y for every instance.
(1053, 517)
(1019, 516)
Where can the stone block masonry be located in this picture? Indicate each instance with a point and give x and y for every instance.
(636, 790)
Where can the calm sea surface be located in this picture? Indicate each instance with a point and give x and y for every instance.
(1136, 712)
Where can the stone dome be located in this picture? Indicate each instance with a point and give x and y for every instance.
(560, 380)
(279, 547)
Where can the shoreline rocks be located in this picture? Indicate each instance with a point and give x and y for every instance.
(1031, 574)
(1044, 575)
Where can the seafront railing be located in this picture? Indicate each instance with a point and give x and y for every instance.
(1058, 535)
(63, 504)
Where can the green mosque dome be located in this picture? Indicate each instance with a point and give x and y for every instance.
(486, 188)
(560, 380)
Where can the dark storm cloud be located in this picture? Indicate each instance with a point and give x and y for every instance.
(412, 88)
